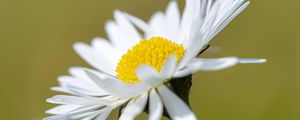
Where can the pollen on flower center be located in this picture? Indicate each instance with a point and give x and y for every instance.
(151, 52)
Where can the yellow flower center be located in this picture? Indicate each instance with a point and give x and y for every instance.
(151, 52)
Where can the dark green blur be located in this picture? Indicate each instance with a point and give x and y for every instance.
(36, 38)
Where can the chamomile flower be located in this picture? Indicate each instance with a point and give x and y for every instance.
(135, 69)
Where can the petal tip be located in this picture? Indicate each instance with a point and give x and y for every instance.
(252, 60)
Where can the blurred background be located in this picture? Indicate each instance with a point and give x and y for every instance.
(36, 38)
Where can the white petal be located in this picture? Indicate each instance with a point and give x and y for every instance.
(187, 15)
(209, 4)
(94, 58)
(158, 25)
(117, 37)
(110, 85)
(149, 76)
(196, 8)
(66, 99)
(82, 116)
(176, 108)
(207, 28)
(103, 115)
(63, 109)
(214, 64)
(107, 50)
(85, 82)
(203, 8)
(60, 89)
(127, 28)
(201, 34)
(134, 108)
(169, 67)
(227, 9)
(141, 24)
(90, 115)
(196, 44)
(207, 64)
(172, 21)
(251, 60)
(102, 44)
(228, 20)
(116, 87)
(80, 86)
(68, 116)
(57, 117)
(155, 106)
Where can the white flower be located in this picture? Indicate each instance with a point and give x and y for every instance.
(133, 70)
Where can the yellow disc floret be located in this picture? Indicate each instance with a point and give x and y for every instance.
(151, 52)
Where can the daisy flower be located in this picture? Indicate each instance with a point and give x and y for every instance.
(135, 68)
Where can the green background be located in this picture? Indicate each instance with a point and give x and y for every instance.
(36, 46)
